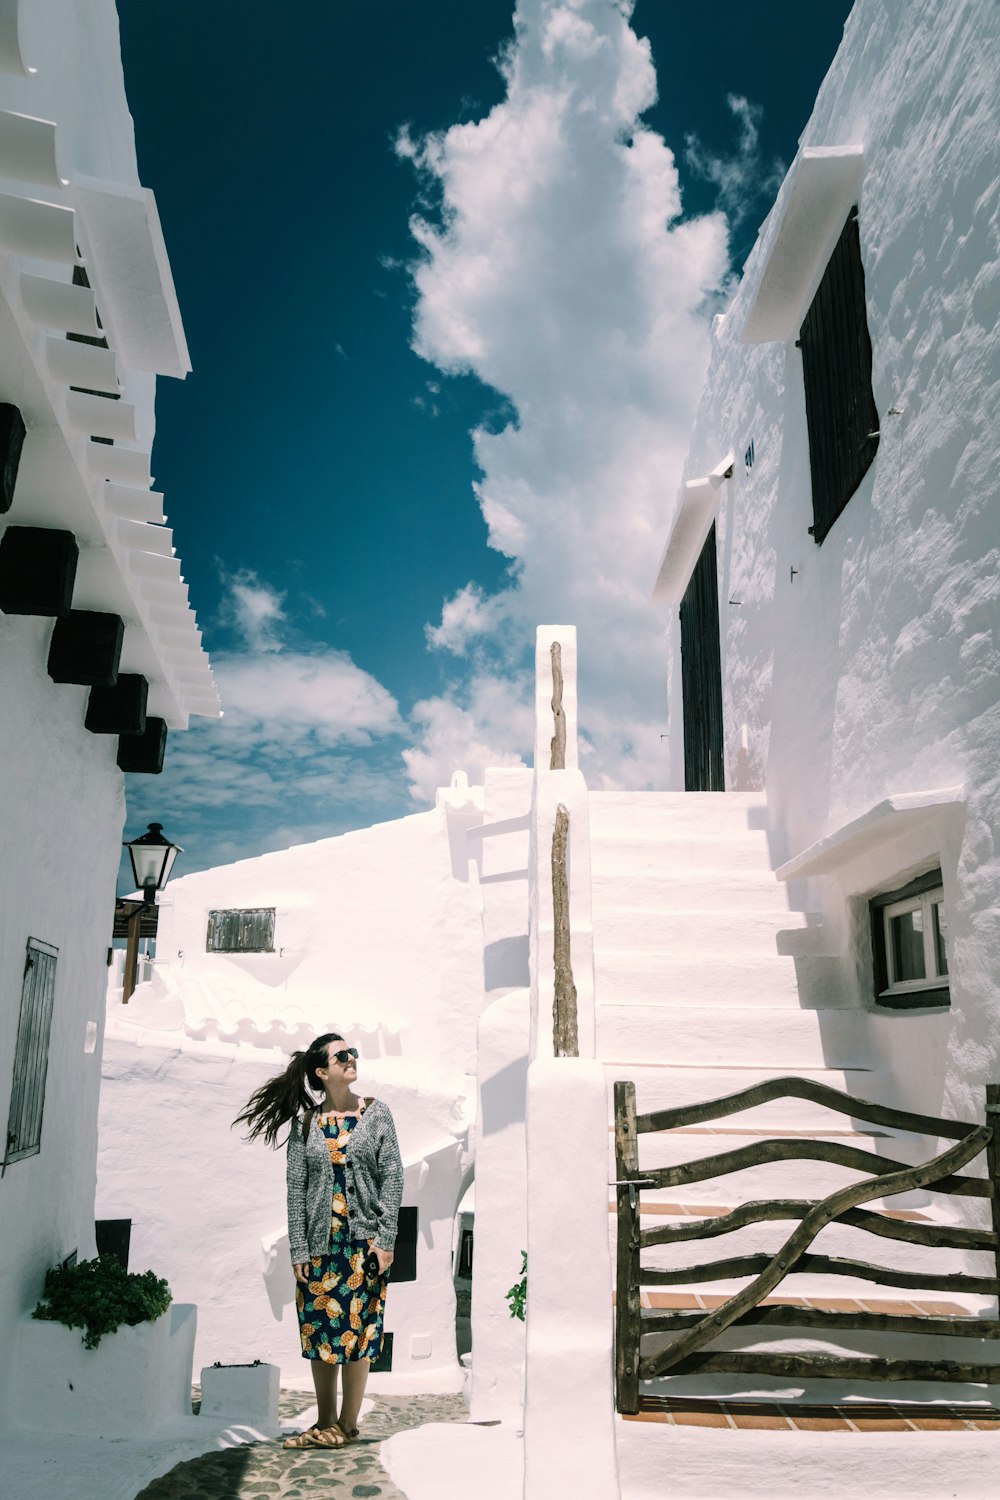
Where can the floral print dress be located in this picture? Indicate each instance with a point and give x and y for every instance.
(341, 1309)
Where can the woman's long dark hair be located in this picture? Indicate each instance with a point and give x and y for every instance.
(279, 1099)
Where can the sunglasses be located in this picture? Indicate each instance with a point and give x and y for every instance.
(349, 1054)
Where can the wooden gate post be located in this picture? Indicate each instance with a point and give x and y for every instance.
(132, 952)
(993, 1163)
(627, 1306)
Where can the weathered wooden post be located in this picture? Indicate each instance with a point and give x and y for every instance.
(993, 1168)
(557, 749)
(132, 951)
(565, 1035)
(627, 1306)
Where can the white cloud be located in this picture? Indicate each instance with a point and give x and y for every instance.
(488, 724)
(290, 695)
(253, 609)
(308, 744)
(742, 177)
(469, 615)
(558, 272)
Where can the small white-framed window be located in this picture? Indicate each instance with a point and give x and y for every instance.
(910, 943)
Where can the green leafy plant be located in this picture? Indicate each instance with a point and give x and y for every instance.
(99, 1295)
(518, 1294)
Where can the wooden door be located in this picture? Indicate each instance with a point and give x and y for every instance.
(701, 676)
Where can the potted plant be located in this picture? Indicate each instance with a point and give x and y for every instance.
(105, 1351)
(99, 1296)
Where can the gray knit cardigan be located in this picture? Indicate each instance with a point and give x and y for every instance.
(373, 1169)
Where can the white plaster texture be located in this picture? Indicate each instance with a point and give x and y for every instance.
(501, 1228)
(208, 1208)
(137, 1380)
(373, 933)
(707, 1464)
(61, 810)
(873, 670)
(446, 1461)
(569, 1424)
(496, 1390)
(378, 936)
(247, 1392)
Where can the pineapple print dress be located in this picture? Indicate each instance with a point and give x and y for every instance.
(341, 1309)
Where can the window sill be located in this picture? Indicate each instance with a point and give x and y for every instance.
(938, 998)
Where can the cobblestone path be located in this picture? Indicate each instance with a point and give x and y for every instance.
(268, 1470)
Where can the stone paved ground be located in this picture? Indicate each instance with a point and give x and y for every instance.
(268, 1469)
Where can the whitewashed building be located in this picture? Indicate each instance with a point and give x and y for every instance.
(817, 893)
(100, 657)
(376, 935)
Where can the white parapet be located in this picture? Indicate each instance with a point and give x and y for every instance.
(569, 1422)
(137, 1381)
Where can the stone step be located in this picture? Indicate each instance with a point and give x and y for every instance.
(684, 814)
(643, 849)
(670, 1087)
(615, 883)
(843, 1240)
(624, 976)
(798, 1178)
(803, 1177)
(677, 930)
(821, 1452)
(698, 1035)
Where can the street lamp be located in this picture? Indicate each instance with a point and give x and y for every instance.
(152, 858)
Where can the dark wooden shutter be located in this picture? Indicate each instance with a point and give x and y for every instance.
(31, 1052)
(246, 930)
(701, 677)
(837, 369)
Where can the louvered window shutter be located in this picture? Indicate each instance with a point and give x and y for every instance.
(241, 930)
(31, 1052)
(837, 368)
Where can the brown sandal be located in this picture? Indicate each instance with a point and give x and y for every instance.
(318, 1437)
(301, 1439)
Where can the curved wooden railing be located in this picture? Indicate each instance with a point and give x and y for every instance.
(688, 1353)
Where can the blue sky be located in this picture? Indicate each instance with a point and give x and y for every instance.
(447, 321)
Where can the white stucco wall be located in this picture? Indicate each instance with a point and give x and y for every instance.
(61, 799)
(378, 935)
(208, 1208)
(372, 930)
(501, 1232)
(61, 811)
(874, 669)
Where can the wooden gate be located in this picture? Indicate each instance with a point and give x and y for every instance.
(689, 1353)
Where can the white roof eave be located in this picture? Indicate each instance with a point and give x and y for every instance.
(691, 524)
(889, 818)
(821, 187)
(130, 273)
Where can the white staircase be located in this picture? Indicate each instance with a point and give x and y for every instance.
(695, 948)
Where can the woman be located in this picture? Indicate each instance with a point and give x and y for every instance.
(345, 1182)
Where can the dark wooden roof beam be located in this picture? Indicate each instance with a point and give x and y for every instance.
(86, 648)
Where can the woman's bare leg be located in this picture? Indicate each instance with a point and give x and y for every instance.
(355, 1380)
(325, 1381)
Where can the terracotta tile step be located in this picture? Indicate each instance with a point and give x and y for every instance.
(771, 1132)
(713, 1211)
(852, 1416)
(899, 1307)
